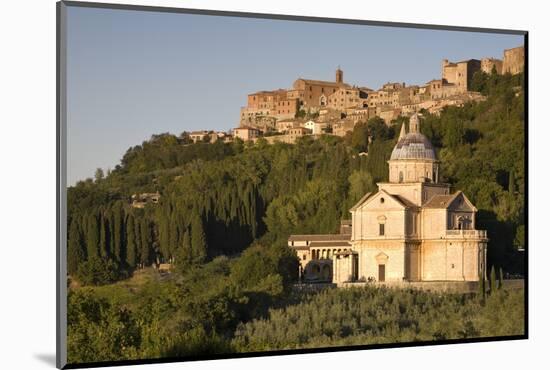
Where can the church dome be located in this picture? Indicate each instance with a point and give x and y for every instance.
(413, 145)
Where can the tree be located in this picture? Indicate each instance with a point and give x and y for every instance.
(99, 175)
(360, 182)
(493, 281)
(500, 278)
(481, 286)
(76, 253)
(145, 233)
(103, 236)
(92, 236)
(360, 137)
(183, 252)
(97, 271)
(512, 183)
(519, 240)
(198, 241)
(119, 232)
(131, 247)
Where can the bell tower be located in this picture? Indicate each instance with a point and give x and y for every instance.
(339, 76)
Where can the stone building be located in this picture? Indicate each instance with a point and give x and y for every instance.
(412, 229)
(140, 200)
(315, 93)
(246, 133)
(345, 98)
(487, 65)
(316, 128)
(460, 73)
(514, 60)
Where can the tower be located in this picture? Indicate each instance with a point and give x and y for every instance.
(339, 76)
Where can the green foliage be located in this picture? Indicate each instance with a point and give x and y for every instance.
(242, 194)
(355, 316)
(519, 239)
(493, 280)
(98, 331)
(131, 246)
(97, 271)
(183, 253)
(360, 137)
(198, 241)
(76, 254)
(258, 266)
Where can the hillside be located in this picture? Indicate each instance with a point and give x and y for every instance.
(223, 217)
(217, 199)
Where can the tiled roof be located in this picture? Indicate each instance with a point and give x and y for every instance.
(319, 82)
(441, 201)
(320, 237)
(403, 201)
(344, 244)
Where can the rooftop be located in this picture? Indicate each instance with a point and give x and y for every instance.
(320, 237)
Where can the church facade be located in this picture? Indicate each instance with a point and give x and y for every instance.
(412, 229)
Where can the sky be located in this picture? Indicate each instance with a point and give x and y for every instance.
(132, 74)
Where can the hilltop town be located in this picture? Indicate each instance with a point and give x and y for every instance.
(315, 107)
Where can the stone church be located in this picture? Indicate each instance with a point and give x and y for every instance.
(412, 229)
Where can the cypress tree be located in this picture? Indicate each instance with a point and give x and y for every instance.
(198, 241)
(131, 248)
(183, 253)
(92, 237)
(500, 278)
(76, 253)
(118, 219)
(137, 233)
(103, 236)
(512, 182)
(145, 242)
(493, 280)
(481, 287)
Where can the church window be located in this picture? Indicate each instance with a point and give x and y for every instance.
(382, 200)
(400, 176)
(382, 230)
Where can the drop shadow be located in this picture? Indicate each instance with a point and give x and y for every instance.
(47, 358)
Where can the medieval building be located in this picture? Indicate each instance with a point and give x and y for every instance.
(412, 229)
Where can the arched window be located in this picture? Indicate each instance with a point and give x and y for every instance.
(400, 176)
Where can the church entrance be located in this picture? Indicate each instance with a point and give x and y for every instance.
(381, 273)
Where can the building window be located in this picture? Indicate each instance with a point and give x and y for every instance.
(381, 229)
(400, 176)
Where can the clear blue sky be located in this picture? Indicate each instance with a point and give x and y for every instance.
(132, 74)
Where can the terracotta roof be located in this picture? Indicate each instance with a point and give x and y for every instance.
(319, 82)
(405, 202)
(320, 237)
(330, 244)
(441, 201)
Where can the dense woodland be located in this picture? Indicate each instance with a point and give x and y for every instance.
(226, 211)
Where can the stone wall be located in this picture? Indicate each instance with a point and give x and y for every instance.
(514, 60)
